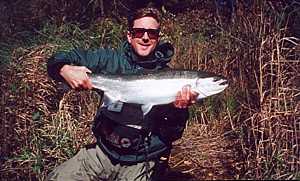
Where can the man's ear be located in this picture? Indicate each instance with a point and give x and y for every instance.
(129, 37)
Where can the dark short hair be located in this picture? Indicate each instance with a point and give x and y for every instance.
(143, 12)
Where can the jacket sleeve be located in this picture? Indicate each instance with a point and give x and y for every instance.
(173, 124)
(100, 60)
(168, 122)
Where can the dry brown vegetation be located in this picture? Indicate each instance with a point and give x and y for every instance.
(250, 131)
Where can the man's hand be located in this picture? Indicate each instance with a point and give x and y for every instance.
(76, 76)
(185, 97)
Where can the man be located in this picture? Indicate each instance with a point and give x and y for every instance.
(130, 146)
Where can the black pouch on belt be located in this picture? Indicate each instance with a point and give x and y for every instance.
(125, 130)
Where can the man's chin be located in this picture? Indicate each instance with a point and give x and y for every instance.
(143, 53)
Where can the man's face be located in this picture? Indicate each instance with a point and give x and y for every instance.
(144, 36)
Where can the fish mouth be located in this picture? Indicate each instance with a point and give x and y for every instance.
(225, 82)
(221, 80)
(210, 86)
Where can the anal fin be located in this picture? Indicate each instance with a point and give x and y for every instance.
(146, 108)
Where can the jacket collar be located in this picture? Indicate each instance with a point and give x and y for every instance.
(161, 55)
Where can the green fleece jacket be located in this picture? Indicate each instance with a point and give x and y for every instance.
(121, 61)
(125, 61)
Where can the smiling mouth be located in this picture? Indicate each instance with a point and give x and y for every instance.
(145, 45)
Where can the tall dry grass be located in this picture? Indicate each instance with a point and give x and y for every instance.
(41, 125)
(260, 56)
(259, 111)
(271, 139)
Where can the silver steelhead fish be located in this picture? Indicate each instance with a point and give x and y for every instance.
(156, 88)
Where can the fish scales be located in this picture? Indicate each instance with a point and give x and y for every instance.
(156, 88)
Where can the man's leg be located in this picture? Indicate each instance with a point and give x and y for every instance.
(89, 163)
(138, 172)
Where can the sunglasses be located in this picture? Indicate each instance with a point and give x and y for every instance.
(139, 32)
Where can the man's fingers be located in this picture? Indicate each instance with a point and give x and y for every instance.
(185, 97)
(85, 69)
(194, 93)
(189, 94)
(76, 76)
(74, 84)
(85, 81)
(194, 96)
(177, 100)
(87, 84)
(186, 92)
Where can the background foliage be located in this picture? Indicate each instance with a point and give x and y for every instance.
(252, 129)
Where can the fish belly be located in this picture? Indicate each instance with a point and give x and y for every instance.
(151, 91)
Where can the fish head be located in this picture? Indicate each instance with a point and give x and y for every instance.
(208, 86)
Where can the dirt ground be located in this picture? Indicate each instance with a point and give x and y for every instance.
(204, 155)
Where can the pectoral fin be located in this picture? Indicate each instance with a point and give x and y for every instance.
(109, 98)
(146, 108)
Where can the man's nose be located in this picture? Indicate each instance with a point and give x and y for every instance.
(145, 36)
